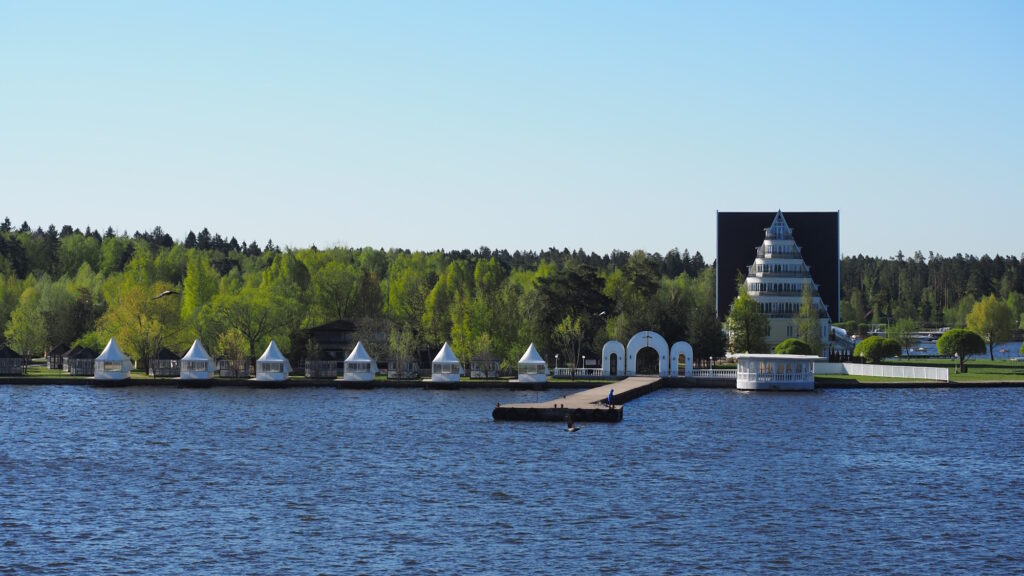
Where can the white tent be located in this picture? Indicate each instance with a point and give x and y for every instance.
(359, 366)
(272, 366)
(196, 364)
(112, 363)
(532, 367)
(446, 367)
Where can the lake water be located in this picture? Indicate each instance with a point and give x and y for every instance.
(1003, 351)
(308, 481)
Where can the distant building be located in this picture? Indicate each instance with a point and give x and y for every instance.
(165, 364)
(196, 364)
(80, 361)
(11, 363)
(272, 365)
(777, 279)
(55, 358)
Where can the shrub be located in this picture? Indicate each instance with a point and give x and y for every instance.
(793, 346)
(960, 343)
(875, 348)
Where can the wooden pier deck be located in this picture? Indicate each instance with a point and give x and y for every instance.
(586, 406)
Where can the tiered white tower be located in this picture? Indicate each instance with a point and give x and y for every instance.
(776, 281)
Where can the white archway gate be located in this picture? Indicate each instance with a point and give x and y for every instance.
(613, 347)
(647, 339)
(685, 349)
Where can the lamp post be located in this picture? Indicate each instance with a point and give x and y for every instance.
(556, 364)
(584, 373)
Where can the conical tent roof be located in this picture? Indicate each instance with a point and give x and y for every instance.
(272, 353)
(112, 353)
(531, 356)
(196, 352)
(446, 354)
(359, 354)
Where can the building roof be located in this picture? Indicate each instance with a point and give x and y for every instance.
(112, 353)
(531, 356)
(272, 354)
(81, 353)
(334, 326)
(196, 352)
(359, 354)
(7, 354)
(446, 354)
(59, 350)
(165, 354)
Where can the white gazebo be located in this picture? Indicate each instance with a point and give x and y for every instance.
(446, 367)
(775, 372)
(196, 364)
(532, 367)
(359, 367)
(112, 363)
(272, 366)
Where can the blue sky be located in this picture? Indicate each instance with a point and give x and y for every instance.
(517, 125)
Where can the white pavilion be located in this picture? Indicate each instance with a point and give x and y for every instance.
(775, 372)
(446, 367)
(532, 367)
(196, 364)
(776, 282)
(359, 366)
(112, 363)
(272, 366)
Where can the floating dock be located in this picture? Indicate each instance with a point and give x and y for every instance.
(586, 406)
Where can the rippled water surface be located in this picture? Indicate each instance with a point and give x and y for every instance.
(221, 481)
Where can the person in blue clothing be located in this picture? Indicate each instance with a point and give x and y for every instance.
(611, 392)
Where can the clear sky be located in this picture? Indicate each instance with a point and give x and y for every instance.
(518, 125)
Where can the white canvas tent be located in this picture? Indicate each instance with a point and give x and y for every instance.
(359, 366)
(112, 363)
(532, 367)
(196, 364)
(446, 367)
(272, 366)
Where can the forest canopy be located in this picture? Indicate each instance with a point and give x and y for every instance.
(70, 286)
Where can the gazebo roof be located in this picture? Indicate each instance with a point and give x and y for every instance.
(359, 354)
(272, 354)
(7, 354)
(81, 352)
(446, 354)
(531, 356)
(59, 350)
(196, 352)
(165, 354)
(112, 353)
(776, 356)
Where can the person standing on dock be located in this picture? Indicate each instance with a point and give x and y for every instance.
(611, 393)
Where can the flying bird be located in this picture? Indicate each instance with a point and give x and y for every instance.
(165, 293)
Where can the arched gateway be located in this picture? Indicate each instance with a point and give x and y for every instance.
(613, 353)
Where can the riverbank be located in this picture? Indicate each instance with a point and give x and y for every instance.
(821, 382)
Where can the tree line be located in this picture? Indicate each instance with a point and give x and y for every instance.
(83, 287)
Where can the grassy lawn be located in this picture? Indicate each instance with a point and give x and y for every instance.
(977, 370)
(839, 378)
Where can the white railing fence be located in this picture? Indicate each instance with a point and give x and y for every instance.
(915, 372)
(577, 372)
(717, 373)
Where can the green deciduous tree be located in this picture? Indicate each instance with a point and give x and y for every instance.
(746, 324)
(808, 327)
(992, 319)
(25, 330)
(902, 331)
(960, 343)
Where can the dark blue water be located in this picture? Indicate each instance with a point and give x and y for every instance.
(222, 481)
